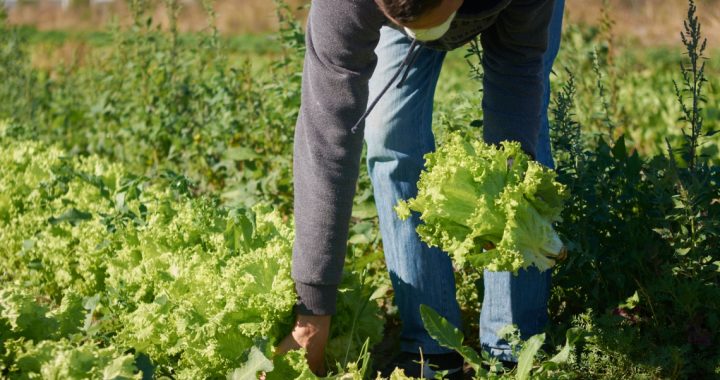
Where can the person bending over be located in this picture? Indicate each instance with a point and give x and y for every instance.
(370, 73)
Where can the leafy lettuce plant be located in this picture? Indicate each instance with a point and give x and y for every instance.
(490, 206)
(96, 258)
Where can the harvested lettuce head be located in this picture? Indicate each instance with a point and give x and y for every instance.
(492, 207)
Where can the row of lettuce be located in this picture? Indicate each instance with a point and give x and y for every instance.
(105, 273)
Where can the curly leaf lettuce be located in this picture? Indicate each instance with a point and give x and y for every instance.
(96, 257)
(492, 207)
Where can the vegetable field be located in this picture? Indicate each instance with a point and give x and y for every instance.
(146, 209)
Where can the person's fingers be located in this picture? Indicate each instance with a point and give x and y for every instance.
(563, 254)
(310, 333)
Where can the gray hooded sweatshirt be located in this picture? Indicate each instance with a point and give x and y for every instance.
(341, 38)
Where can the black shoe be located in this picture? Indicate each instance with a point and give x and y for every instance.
(509, 365)
(410, 363)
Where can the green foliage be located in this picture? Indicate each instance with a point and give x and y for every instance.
(531, 358)
(190, 109)
(140, 264)
(195, 302)
(446, 334)
(356, 322)
(637, 90)
(472, 194)
(20, 80)
(64, 360)
(256, 362)
(44, 341)
(642, 233)
(693, 80)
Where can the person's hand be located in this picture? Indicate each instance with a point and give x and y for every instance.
(562, 255)
(310, 332)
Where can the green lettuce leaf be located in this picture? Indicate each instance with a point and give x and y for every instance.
(492, 207)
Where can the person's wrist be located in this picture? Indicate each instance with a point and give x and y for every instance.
(314, 299)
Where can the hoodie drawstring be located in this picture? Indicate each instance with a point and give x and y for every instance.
(406, 64)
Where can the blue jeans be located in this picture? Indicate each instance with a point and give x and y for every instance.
(398, 133)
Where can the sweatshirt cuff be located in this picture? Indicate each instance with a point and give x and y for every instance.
(315, 299)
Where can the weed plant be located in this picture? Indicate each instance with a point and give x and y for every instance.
(642, 277)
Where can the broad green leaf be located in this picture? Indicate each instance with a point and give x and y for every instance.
(631, 301)
(527, 356)
(122, 367)
(448, 335)
(257, 362)
(291, 365)
(71, 216)
(572, 336)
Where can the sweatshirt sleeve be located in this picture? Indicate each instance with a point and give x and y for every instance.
(513, 67)
(341, 38)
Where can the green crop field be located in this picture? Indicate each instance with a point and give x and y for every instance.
(146, 222)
